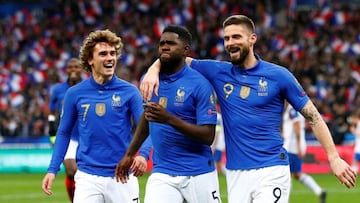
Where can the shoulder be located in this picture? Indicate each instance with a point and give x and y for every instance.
(210, 62)
(196, 77)
(125, 84)
(274, 68)
(57, 86)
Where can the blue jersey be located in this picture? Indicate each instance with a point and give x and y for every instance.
(189, 96)
(104, 114)
(252, 102)
(56, 101)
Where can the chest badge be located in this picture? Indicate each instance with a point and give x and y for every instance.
(244, 92)
(163, 102)
(100, 109)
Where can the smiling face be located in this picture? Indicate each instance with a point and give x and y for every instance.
(103, 62)
(238, 42)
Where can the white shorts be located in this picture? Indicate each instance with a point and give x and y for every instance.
(163, 188)
(264, 185)
(71, 150)
(98, 189)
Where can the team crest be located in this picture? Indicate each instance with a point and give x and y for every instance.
(180, 95)
(163, 102)
(244, 92)
(100, 109)
(263, 87)
(116, 102)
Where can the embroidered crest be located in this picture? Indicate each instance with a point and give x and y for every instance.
(163, 102)
(180, 94)
(100, 109)
(116, 102)
(263, 87)
(244, 92)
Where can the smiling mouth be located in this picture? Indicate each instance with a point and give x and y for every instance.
(234, 50)
(108, 65)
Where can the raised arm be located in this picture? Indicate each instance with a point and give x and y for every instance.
(150, 81)
(340, 168)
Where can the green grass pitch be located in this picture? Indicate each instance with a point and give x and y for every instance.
(26, 188)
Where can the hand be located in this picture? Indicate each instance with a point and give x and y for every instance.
(123, 168)
(343, 172)
(156, 113)
(47, 183)
(150, 84)
(139, 166)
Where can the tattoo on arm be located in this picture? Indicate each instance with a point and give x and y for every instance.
(311, 114)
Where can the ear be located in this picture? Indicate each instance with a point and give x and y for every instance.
(186, 50)
(90, 61)
(253, 38)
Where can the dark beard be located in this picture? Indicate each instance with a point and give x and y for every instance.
(243, 54)
(170, 66)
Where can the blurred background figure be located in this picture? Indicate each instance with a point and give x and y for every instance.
(57, 93)
(218, 145)
(293, 132)
(355, 130)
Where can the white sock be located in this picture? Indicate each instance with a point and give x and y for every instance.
(310, 183)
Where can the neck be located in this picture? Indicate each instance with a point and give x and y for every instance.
(170, 69)
(102, 79)
(250, 62)
(73, 82)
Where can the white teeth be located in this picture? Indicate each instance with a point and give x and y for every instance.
(108, 65)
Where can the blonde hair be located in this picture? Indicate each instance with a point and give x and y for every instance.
(87, 49)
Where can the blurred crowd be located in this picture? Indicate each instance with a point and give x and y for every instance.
(317, 40)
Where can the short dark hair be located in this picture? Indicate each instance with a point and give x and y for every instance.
(240, 20)
(184, 34)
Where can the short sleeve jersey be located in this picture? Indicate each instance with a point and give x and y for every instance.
(189, 96)
(252, 102)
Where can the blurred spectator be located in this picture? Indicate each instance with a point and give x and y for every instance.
(318, 40)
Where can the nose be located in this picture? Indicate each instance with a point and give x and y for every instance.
(164, 46)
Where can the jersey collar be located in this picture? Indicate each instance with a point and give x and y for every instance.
(102, 86)
(175, 76)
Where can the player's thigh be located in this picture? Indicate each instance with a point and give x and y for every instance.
(275, 185)
(161, 189)
(203, 188)
(88, 188)
(265, 185)
(124, 193)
